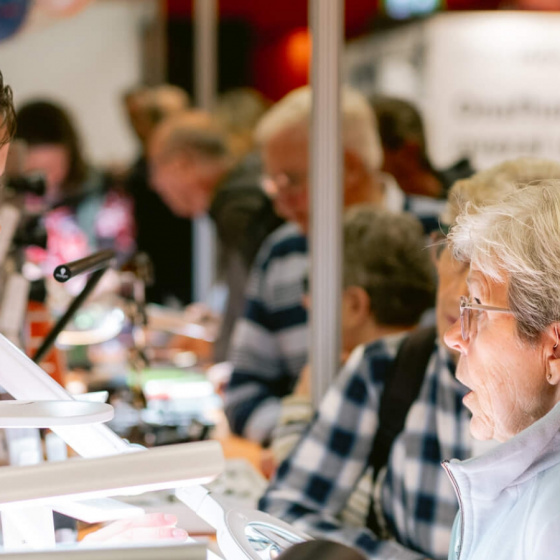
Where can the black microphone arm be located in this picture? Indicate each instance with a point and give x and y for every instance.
(95, 261)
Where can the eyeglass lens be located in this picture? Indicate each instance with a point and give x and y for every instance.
(465, 317)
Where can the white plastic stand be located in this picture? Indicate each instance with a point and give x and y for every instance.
(48, 414)
(25, 528)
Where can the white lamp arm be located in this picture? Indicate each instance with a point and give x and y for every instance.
(24, 379)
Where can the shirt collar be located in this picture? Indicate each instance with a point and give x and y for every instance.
(513, 462)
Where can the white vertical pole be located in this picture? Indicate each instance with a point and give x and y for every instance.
(205, 14)
(327, 28)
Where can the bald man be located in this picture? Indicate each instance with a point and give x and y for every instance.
(193, 171)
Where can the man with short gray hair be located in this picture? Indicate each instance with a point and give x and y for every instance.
(269, 346)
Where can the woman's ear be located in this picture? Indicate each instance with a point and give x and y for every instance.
(552, 349)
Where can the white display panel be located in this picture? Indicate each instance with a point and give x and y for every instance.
(486, 82)
(492, 82)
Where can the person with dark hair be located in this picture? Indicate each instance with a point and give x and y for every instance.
(53, 147)
(405, 151)
(81, 213)
(157, 227)
(193, 171)
(7, 122)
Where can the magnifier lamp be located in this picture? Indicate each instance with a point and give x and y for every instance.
(242, 534)
(28, 494)
(103, 319)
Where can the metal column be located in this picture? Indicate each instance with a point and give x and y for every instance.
(205, 16)
(327, 28)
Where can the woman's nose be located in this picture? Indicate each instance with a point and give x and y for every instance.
(453, 337)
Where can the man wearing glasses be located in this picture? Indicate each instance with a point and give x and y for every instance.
(269, 345)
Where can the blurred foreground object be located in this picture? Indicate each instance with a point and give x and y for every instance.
(323, 550)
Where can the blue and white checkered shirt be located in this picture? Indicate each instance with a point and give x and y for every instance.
(313, 486)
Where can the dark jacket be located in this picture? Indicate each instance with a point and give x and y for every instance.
(244, 216)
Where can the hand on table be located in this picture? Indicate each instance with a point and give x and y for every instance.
(303, 385)
(147, 528)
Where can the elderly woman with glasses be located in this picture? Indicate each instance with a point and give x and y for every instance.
(508, 339)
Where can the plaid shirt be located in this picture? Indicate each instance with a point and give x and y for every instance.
(269, 344)
(313, 486)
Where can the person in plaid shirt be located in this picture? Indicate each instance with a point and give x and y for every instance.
(414, 501)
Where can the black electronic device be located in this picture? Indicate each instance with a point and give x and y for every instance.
(30, 183)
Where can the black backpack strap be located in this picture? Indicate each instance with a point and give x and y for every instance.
(402, 387)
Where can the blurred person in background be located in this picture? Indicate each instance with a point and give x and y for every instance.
(7, 122)
(147, 106)
(158, 229)
(194, 172)
(80, 210)
(368, 471)
(269, 347)
(405, 151)
(388, 283)
(238, 111)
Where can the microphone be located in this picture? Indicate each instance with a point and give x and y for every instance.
(101, 259)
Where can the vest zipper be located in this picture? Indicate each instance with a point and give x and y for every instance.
(445, 465)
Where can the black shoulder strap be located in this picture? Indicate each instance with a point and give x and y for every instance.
(402, 386)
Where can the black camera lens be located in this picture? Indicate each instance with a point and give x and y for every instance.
(32, 183)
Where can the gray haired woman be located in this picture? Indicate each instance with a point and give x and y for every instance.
(508, 337)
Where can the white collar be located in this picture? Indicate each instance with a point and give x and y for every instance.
(513, 462)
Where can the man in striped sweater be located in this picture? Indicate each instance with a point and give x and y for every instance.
(269, 345)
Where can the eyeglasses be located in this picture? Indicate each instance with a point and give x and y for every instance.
(287, 182)
(466, 306)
